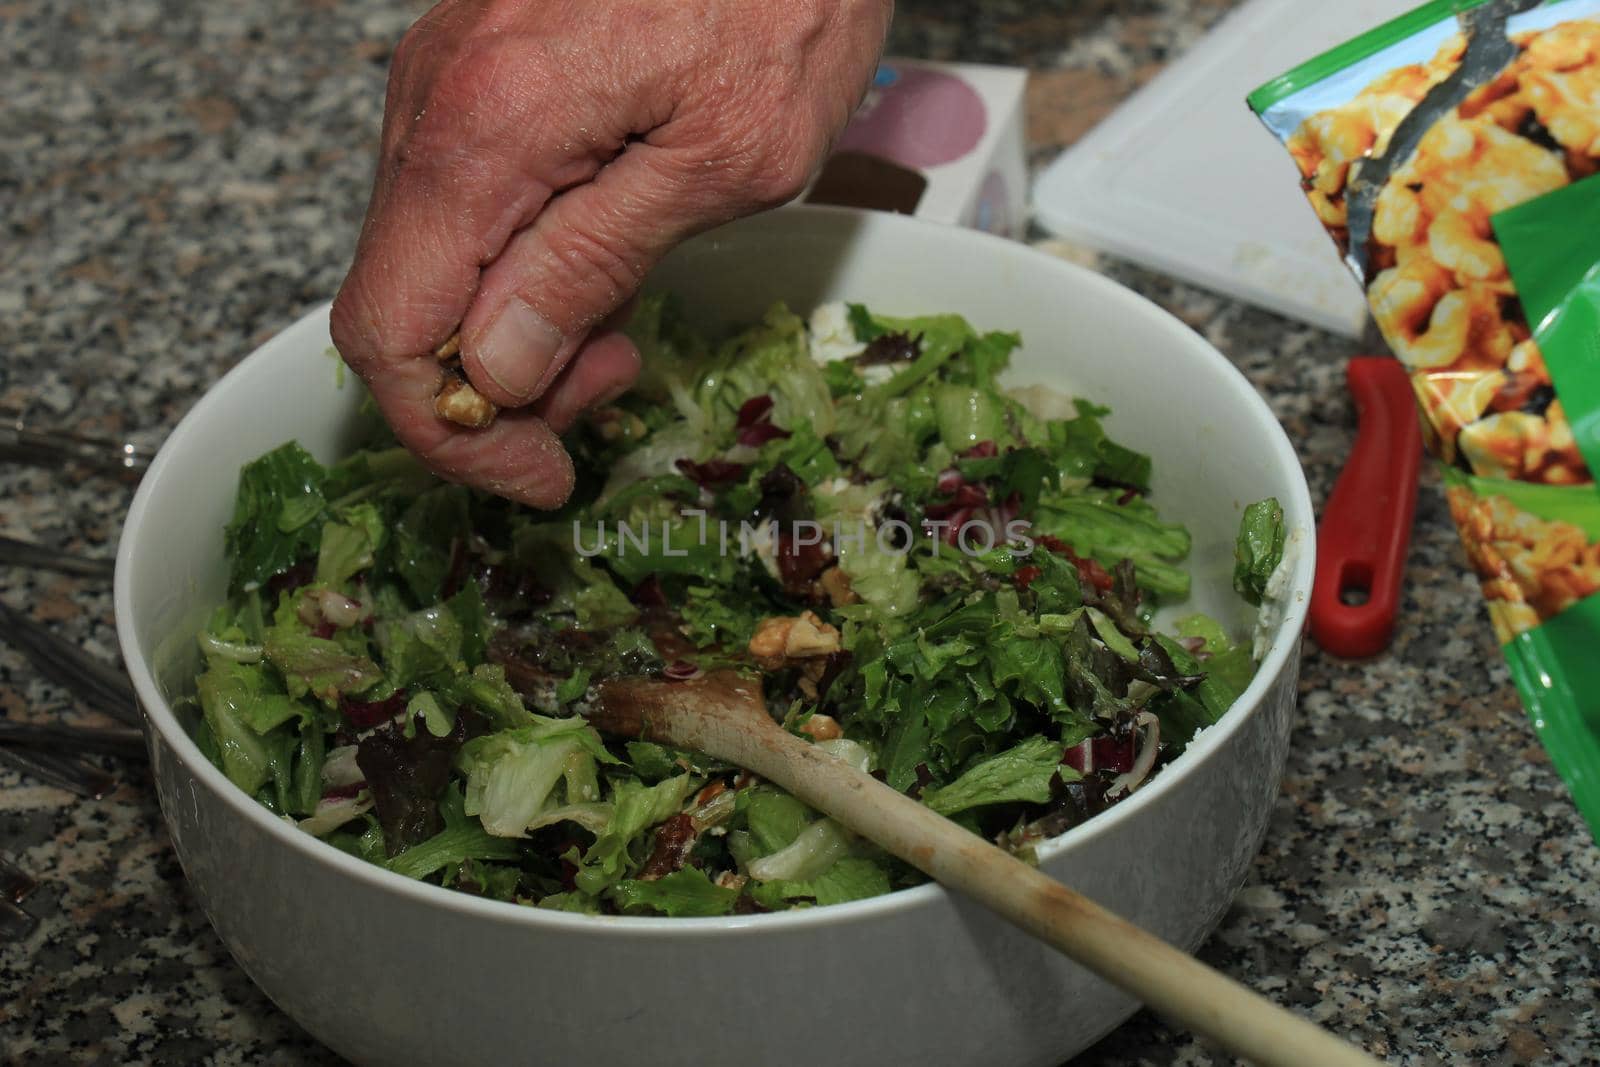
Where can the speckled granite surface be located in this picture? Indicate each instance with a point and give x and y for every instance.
(180, 180)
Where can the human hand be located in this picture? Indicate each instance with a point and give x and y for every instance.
(537, 158)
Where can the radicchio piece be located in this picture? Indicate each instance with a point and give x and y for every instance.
(289, 579)
(890, 348)
(759, 434)
(406, 776)
(1089, 571)
(648, 593)
(680, 671)
(754, 410)
(1107, 754)
(1080, 757)
(711, 473)
(970, 502)
(365, 714)
(971, 496)
(1114, 753)
(754, 424)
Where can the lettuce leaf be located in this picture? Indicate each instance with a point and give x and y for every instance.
(669, 349)
(851, 878)
(1258, 549)
(512, 775)
(638, 808)
(882, 579)
(1183, 712)
(320, 666)
(967, 416)
(230, 696)
(433, 645)
(1096, 525)
(574, 583)
(487, 692)
(770, 359)
(711, 617)
(459, 841)
(884, 434)
(426, 536)
(1021, 773)
(813, 851)
(681, 893)
(277, 516)
(349, 546)
(774, 819)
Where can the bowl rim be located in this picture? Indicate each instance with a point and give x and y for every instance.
(166, 729)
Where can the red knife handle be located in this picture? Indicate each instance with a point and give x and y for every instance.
(1366, 523)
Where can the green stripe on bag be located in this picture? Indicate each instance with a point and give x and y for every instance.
(1552, 246)
(1557, 671)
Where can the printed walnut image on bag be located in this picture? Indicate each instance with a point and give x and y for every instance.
(1436, 280)
(1531, 568)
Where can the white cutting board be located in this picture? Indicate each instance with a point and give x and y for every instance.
(1183, 177)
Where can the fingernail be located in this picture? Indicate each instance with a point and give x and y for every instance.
(517, 348)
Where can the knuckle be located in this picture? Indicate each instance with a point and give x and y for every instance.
(771, 146)
(785, 169)
(470, 77)
(765, 166)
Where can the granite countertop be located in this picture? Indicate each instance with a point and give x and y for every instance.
(181, 180)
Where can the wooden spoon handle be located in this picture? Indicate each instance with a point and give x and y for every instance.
(1161, 976)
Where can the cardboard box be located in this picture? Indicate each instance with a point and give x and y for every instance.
(940, 141)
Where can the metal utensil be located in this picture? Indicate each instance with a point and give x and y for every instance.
(60, 770)
(21, 442)
(112, 740)
(15, 553)
(98, 684)
(15, 883)
(15, 924)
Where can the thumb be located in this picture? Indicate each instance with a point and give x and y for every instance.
(584, 256)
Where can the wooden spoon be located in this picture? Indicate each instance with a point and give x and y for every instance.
(723, 715)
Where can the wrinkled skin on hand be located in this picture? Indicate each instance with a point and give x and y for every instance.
(538, 157)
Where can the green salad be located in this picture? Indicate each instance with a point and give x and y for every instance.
(946, 583)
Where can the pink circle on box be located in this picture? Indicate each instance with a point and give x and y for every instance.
(924, 118)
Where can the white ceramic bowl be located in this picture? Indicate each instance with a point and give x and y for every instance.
(388, 970)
